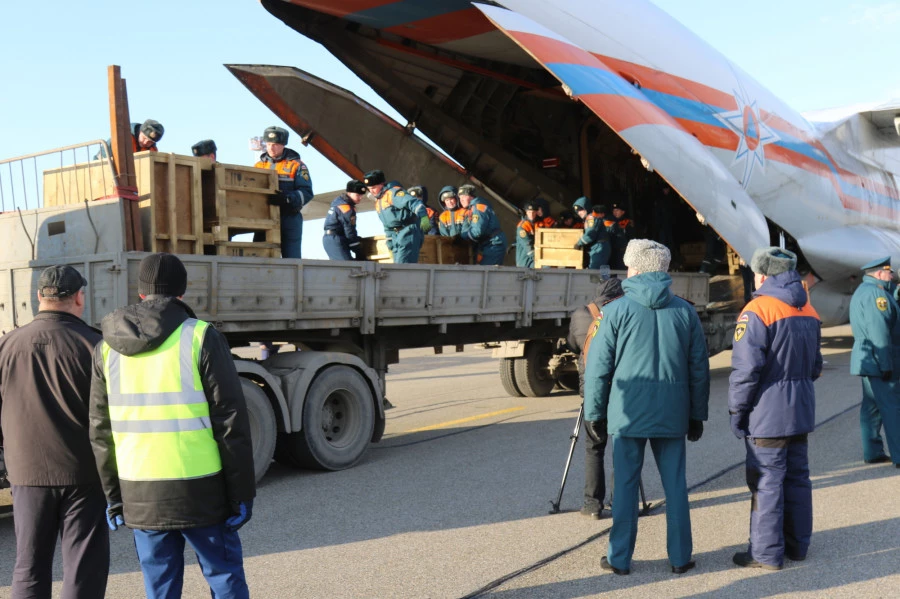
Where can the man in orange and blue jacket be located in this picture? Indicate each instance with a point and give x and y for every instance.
(775, 359)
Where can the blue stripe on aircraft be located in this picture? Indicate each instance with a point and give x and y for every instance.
(406, 11)
(583, 79)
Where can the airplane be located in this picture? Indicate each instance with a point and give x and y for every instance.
(609, 99)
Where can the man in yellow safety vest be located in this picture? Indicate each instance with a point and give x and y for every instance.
(171, 435)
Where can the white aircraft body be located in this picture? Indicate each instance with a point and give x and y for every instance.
(758, 171)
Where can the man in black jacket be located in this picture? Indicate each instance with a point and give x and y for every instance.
(171, 435)
(45, 381)
(595, 444)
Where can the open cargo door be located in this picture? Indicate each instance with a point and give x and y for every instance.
(676, 155)
(356, 136)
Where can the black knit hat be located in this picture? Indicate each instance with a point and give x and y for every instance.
(162, 274)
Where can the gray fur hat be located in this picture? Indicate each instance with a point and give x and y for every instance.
(646, 255)
(773, 261)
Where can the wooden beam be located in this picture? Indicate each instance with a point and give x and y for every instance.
(123, 158)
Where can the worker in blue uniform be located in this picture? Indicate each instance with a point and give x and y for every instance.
(595, 238)
(525, 236)
(452, 219)
(404, 217)
(875, 358)
(420, 192)
(482, 228)
(646, 380)
(340, 237)
(294, 189)
(772, 403)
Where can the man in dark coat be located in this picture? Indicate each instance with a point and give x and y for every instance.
(647, 378)
(775, 359)
(171, 435)
(45, 381)
(595, 444)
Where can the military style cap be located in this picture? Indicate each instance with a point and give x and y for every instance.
(375, 177)
(599, 209)
(884, 263)
(60, 281)
(582, 203)
(420, 192)
(467, 190)
(773, 260)
(153, 129)
(275, 135)
(356, 186)
(619, 206)
(202, 148)
(530, 205)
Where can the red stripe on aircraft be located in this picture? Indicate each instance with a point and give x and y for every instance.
(340, 8)
(548, 50)
(445, 28)
(623, 112)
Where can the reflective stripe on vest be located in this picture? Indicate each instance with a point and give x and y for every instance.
(158, 410)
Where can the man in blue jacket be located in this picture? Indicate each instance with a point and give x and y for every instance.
(647, 378)
(340, 224)
(482, 228)
(775, 359)
(875, 319)
(596, 237)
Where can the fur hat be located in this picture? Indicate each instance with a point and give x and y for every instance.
(645, 255)
(773, 261)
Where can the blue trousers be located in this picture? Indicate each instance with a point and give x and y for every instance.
(291, 235)
(336, 247)
(161, 553)
(405, 244)
(880, 406)
(628, 461)
(781, 514)
(598, 255)
(491, 254)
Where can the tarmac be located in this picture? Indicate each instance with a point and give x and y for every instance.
(454, 503)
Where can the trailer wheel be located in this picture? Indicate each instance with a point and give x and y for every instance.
(533, 371)
(338, 421)
(568, 381)
(508, 377)
(262, 426)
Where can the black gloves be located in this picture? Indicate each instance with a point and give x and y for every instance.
(578, 245)
(887, 375)
(740, 423)
(596, 430)
(278, 199)
(695, 430)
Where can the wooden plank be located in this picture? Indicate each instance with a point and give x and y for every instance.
(197, 208)
(132, 210)
(123, 159)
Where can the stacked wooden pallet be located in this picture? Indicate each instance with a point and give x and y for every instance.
(556, 247)
(435, 250)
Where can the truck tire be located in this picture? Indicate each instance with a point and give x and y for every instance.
(568, 381)
(262, 426)
(533, 371)
(338, 421)
(508, 377)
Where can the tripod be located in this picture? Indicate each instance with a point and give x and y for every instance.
(554, 509)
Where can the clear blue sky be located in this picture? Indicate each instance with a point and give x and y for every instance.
(812, 53)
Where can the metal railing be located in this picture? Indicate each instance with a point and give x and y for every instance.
(76, 173)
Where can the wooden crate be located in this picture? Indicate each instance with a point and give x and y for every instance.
(435, 250)
(692, 254)
(734, 262)
(235, 201)
(78, 183)
(556, 247)
(170, 199)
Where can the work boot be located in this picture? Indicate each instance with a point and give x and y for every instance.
(879, 460)
(745, 560)
(604, 564)
(682, 569)
(595, 512)
(794, 557)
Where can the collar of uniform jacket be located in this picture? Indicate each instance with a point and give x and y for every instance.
(59, 315)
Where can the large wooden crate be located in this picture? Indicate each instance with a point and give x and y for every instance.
(235, 201)
(734, 262)
(170, 197)
(692, 254)
(78, 183)
(435, 250)
(556, 247)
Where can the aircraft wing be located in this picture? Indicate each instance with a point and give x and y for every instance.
(685, 163)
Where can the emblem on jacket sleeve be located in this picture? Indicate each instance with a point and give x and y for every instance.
(739, 331)
(881, 302)
(522, 233)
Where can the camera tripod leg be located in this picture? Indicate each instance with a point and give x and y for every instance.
(574, 437)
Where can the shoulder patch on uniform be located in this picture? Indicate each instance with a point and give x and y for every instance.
(745, 317)
(739, 331)
(589, 221)
(482, 207)
(474, 218)
(882, 303)
(399, 194)
(523, 233)
(344, 207)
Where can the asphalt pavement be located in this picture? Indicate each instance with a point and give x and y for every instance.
(454, 503)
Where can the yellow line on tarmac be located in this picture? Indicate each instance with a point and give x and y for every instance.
(462, 420)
